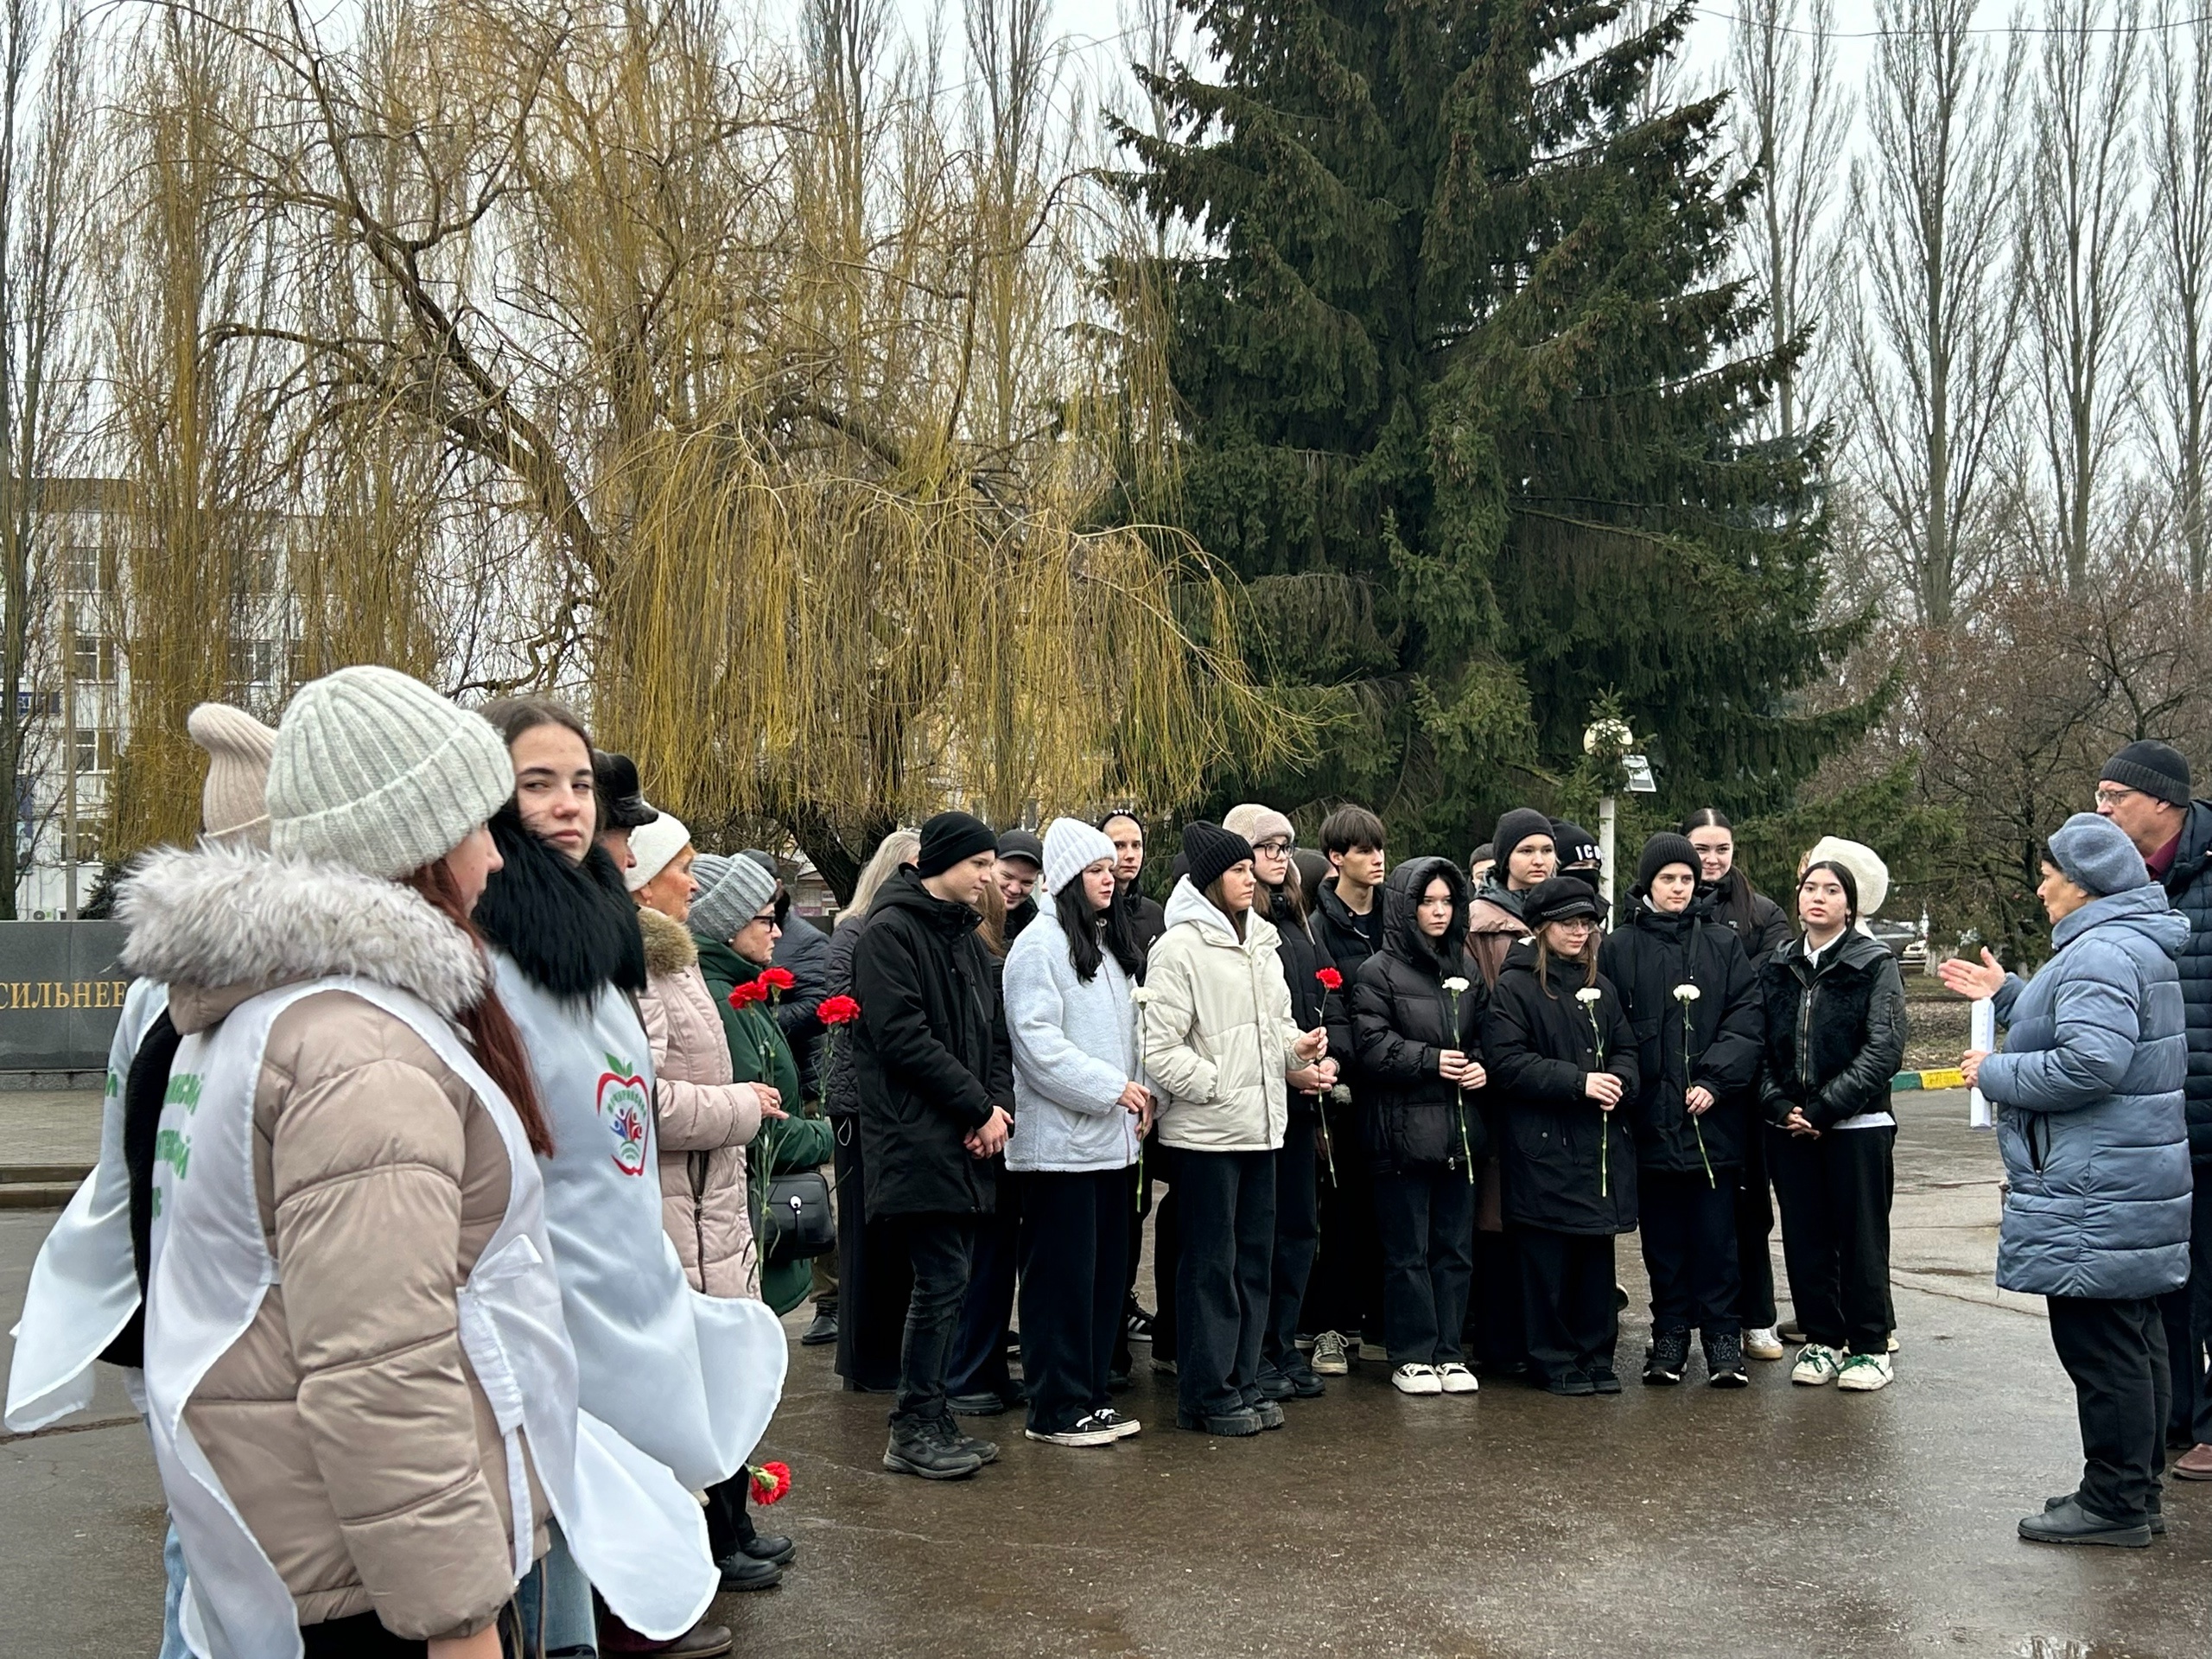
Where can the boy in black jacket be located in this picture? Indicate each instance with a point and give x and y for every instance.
(934, 1074)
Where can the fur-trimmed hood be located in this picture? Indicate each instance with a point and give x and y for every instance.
(570, 928)
(669, 947)
(218, 925)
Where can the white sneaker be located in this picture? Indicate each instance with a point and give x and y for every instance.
(1762, 1342)
(1457, 1379)
(1893, 1342)
(1087, 1432)
(1374, 1352)
(1328, 1356)
(1416, 1379)
(1815, 1365)
(1863, 1373)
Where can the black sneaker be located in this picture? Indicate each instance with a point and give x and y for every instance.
(920, 1449)
(1137, 1323)
(1664, 1361)
(2070, 1523)
(1571, 1383)
(1724, 1360)
(2157, 1513)
(983, 1403)
(823, 1330)
(1273, 1385)
(741, 1573)
(1299, 1372)
(983, 1450)
(1603, 1380)
(1238, 1422)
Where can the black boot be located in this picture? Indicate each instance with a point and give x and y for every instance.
(1664, 1361)
(741, 1572)
(2070, 1523)
(923, 1449)
(2157, 1510)
(1723, 1359)
(824, 1328)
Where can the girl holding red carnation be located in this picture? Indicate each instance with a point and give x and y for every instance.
(1316, 998)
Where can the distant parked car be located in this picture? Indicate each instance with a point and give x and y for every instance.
(1906, 942)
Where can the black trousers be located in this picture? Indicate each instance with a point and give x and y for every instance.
(1566, 1297)
(1138, 1176)
(1298, 1234)
(1166, 1254)
(941, 1249)
(1427, 1215)
(730, 1522)
(1227, 1217)
(876, 1282)
(2187, 1315)
(1345, 1291)
(2116, 1353)
(1755, 1307)
(1688, 1226)
(360, 1637)
(978, 1362)
(1075, 1234)
(1835, 1232)
(1497, 1333)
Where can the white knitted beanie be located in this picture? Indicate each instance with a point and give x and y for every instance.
(655, 846)
(1256, 823)
(234, 801)
(1071, 847)
(376, 771)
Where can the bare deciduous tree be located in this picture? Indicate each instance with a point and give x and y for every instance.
(1791, 119)
(2176, 393)
(2079, 232)
(1933, 291)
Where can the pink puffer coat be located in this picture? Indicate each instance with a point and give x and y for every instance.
(706, 1120)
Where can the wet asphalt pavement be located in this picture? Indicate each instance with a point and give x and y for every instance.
(1772, 1520)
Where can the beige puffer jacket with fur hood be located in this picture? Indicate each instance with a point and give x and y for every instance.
(346, 1424)
(705, 1119)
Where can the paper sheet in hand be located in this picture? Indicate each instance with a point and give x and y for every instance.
(1981, 1033)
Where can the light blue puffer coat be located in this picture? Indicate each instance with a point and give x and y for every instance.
(2091, 1119)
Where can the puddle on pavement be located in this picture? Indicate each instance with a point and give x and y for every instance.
(2065, 1647)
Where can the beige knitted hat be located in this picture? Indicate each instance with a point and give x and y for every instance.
(234, 801)
(377, 771)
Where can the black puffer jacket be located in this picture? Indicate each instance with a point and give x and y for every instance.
(1835, 1035)
(1403, 1018)
(930, 1052)
(1538, 1042)
(839, 1096)
(1769, 926)
(2188, 885)
(1712, 1040)
(1312, 1003)
(1343, 935)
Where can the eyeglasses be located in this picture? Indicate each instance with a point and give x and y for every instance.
(766, 918)
(2114, 796)
(1281, 846)
(1576, 924)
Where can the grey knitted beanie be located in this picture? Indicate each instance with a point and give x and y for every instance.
(376, 771)
(731, 893)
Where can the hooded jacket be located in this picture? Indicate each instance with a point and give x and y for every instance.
(1713, 1041)
(1404, 1019)
(1339, 932)
(930, 1056)
(1217, 1029)
(2090, 1118)
(2189, 884)
(1494, 927)
(706, 1117)
(345, 1422)
(1539, 1043)
(1075, 1050)
(1305, 959)
(1835, 1035)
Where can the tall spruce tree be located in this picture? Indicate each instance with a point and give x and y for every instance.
(1461, 389)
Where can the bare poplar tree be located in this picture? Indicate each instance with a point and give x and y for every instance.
(1792, 119)
(2079, 232)
(45, 138)
(2177, 390)
(1933, 291)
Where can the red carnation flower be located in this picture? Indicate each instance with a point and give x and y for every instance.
(837, 1011)
(769, 1482)
(1330, 978)
(746, 995)
(778, 979)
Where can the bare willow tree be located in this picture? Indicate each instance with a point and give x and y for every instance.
(2079, 229)
(1933, 289)
(1792, 118)
(763, 365)
(2176, 392)
(46, 139)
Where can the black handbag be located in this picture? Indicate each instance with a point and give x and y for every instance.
(796, 1224)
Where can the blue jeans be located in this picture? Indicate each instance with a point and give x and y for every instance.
(173, 1598)
(557, 1594)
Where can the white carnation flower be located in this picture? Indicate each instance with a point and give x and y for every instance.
(1686, 993)
(1455, 985)
(1588, 994)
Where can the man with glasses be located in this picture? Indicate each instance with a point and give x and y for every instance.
(2145, 789)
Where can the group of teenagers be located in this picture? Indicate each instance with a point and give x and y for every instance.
(428, 1225)
(1399, 1116)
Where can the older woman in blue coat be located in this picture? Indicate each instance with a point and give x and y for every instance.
(2088, 1093)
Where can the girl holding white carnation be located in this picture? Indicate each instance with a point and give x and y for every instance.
(1417, 1027)
(1561, 1057)
(1694, 1002)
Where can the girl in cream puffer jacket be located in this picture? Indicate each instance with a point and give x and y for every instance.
(706, 1119)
